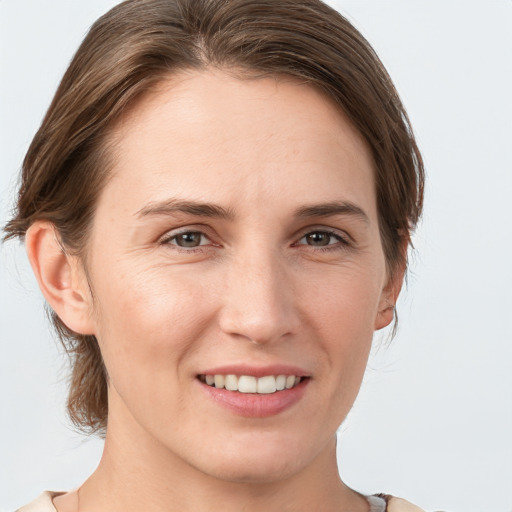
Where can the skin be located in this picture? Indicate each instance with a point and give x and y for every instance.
(264, 286)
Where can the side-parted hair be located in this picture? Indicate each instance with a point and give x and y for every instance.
(139, 44)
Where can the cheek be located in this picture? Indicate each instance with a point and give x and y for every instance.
(147, 322)
(342, 311)
(344, 301)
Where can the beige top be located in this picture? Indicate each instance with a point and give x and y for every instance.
(44, 503)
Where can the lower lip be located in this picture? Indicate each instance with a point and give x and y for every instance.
(253, 405)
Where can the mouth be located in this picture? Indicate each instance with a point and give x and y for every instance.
(255, 392)
(265, 385)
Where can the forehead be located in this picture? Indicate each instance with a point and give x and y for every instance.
(221, 138)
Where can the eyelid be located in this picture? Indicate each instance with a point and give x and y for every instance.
(173, 233)
(345, 239)
(339, 233)
(340, 243)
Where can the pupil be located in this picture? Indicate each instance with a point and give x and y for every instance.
(318, 239)
(189, 239)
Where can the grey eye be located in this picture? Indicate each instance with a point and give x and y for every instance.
(189, 239)
(319, 238)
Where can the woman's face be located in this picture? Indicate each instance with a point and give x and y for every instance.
(237, 236)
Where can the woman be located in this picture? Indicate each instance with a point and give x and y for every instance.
(217, 208)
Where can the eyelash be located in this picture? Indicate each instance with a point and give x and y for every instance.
(169, 238)
(343, 241)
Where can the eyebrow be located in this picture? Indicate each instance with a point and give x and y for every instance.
(199, 209)
(331, 209)
(173, 206)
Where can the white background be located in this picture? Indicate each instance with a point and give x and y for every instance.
(433, 422)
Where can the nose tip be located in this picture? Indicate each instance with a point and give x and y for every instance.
(258, 306)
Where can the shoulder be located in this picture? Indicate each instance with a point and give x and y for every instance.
(43, 503)
(388, 503)
(400, 505)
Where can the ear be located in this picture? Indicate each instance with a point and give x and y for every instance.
(61, 277)
(389, 297)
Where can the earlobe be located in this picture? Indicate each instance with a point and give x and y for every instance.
(385, 315)
(60, 277)
(388, 299)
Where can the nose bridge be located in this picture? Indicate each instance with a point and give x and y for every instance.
(258, 299)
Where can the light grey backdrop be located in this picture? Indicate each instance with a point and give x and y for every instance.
(433, 422)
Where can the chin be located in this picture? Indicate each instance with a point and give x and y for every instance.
(256, 472)
(260, 462)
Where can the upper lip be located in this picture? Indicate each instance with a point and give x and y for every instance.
(256, 371)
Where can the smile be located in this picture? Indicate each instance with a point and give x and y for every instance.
(265, 385)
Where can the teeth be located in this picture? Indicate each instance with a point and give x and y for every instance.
(267, 385)
(218, 381)
(281, 382)
(231, 383)
(249, 384)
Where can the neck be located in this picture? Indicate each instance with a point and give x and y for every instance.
(138, 473)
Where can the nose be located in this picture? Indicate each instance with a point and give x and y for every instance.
(258, 300)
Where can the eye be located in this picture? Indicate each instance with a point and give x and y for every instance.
(322, 239)
(188, 239)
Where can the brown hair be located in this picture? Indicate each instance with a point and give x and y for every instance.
(137, 45)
